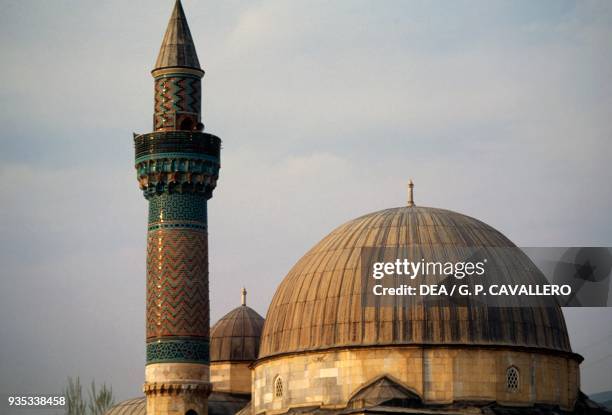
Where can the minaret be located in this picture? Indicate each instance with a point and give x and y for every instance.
(177, 167)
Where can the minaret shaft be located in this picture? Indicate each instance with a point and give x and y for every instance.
(177, 273)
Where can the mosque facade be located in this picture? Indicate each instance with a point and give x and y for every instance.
(319, 351)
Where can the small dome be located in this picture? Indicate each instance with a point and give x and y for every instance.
(318, 304)
(218, 404)
(236, 335)
(136, 406)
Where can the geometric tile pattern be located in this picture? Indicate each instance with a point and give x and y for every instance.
(177, 207)
(179, 350)
(177, 283)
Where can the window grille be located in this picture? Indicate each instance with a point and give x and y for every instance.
(512, 379)
(278, 387)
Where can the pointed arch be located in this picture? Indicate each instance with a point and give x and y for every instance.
(385, 390)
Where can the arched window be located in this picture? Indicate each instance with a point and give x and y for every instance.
(512, 379)
(186, 124)
(278, 387)
(191, 412)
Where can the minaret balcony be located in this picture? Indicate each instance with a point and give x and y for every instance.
(162, 143)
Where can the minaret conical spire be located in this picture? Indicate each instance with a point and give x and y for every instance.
(177, 49)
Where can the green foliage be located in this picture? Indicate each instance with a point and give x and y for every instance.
(98, 402)
(74, 397)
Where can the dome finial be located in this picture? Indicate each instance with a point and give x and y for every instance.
(410, 193)
(243, 297)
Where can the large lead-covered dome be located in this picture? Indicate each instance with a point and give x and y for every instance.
(318, 304)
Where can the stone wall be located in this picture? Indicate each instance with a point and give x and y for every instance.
(175, 388)
(231, 377)
(438, 375)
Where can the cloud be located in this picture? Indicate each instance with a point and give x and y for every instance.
(497, 110)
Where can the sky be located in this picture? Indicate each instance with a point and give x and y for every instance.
(497, 109)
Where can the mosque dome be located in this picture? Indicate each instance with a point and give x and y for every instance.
(136, 406)
(235, 337)
(318, 304)
(218, 404)
(322, 348)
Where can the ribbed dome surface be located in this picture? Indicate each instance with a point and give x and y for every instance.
(219, 403)
(236, 336)
(318, 304)
(136, 406)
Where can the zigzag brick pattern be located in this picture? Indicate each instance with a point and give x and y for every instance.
(177, 283)
(176, 94)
